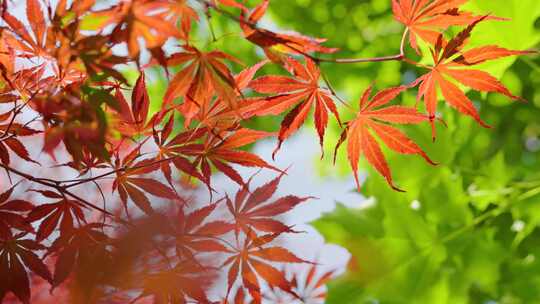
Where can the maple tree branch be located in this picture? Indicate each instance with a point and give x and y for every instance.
(16, 111)
(87, 203)
(63, 189)
(215, 238)
(401, 55)
(254, 26)
(361, 60)
(397, 57)
(77, 182)
(125, 168)
(56, 185)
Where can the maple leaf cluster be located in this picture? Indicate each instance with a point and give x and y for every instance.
(63, 92)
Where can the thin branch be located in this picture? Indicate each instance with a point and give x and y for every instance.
(78, 182)
(56, 186)
(361, 60)
(16, 111)
(397, 57)
(254, 26)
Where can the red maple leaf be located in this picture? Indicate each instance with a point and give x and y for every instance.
(46, 42)
(426, 19)
(248, 264)
(192, 236)
(310, 287)
(203, 75)
(86, 242)
(60, 213)
(222, 149)
(74, 116)
(154, 21)
(132, 119)
(252, 212)
(452, 64)
(302, 92)
(130, 184)
(29, 45)
(10, 131)
(219, 116)
(16, 146)
(186, 280)
(373, 118)
(170, 150)
(10, 214)
(16, 255)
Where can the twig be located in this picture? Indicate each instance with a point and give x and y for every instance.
(57, 186)
(397, 57)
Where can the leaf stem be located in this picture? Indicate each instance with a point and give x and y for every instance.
(333, 92)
